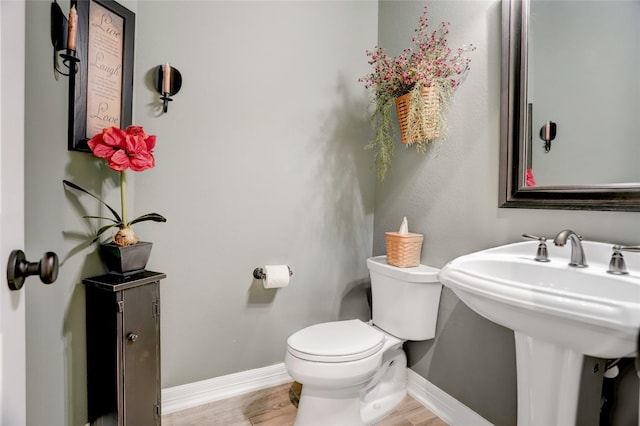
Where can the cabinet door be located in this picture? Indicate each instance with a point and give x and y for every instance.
(141, 335)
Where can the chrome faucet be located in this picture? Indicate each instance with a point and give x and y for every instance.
(577, 252)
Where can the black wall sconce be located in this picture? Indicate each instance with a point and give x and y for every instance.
(167, 80)
(63, 38)
(547, 134)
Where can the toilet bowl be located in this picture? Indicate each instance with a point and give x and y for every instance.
(354, 373)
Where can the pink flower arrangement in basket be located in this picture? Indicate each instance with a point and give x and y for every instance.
(429, 64)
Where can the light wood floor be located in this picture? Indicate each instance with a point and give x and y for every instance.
(276, 406)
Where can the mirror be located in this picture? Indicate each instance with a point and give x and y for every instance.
(568, 131)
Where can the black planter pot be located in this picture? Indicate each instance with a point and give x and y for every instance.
(125, 260)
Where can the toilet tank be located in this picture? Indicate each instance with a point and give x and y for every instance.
(405, 301)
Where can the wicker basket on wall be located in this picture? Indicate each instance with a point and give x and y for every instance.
(429, 125)
(403, 250)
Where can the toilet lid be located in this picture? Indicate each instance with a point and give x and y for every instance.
(338, 341)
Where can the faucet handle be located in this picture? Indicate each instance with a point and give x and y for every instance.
(616, 264)
(533, 237)
(542, 255)
(619, 248)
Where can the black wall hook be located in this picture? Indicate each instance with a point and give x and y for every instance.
(547, 134)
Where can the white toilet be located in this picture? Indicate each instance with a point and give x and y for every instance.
(354, 373)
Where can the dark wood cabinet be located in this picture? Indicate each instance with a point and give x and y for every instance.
(123, 349)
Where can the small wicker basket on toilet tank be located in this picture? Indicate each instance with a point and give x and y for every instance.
(403, 250)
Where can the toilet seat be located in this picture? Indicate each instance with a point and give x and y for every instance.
(337, 341)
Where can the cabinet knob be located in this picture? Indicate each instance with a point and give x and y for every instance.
(132, 337)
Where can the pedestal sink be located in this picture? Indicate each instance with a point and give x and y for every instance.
(558, 314)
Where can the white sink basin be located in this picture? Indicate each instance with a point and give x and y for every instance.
(558, 313)
(586, 309)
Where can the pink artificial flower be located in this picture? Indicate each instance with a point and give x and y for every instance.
(123, 149)
(531, 181)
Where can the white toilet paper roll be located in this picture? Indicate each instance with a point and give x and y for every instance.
(276, 276)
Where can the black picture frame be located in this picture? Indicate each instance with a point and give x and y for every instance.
(78, 135)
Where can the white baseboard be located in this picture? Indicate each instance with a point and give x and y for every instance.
(193, 394)
(177, 398)
(449, 409)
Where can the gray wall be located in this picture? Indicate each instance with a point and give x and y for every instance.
(451, 195)
(260, 161)
(55, 317)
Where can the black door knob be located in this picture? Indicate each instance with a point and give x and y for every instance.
(18, 268)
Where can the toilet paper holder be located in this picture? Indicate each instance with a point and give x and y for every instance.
(259, 273)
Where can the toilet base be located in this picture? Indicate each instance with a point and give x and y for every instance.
(356, 406)
(387, 389)
(319, 407)
(373, 412)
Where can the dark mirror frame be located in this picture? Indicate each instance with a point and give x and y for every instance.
(514, 135)
(77, 126)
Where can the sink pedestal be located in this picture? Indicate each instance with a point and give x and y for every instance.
(559, 314)
(548, 382)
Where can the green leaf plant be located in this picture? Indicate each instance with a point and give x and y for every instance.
(116, 220)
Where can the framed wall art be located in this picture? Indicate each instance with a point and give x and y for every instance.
(100, 92)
